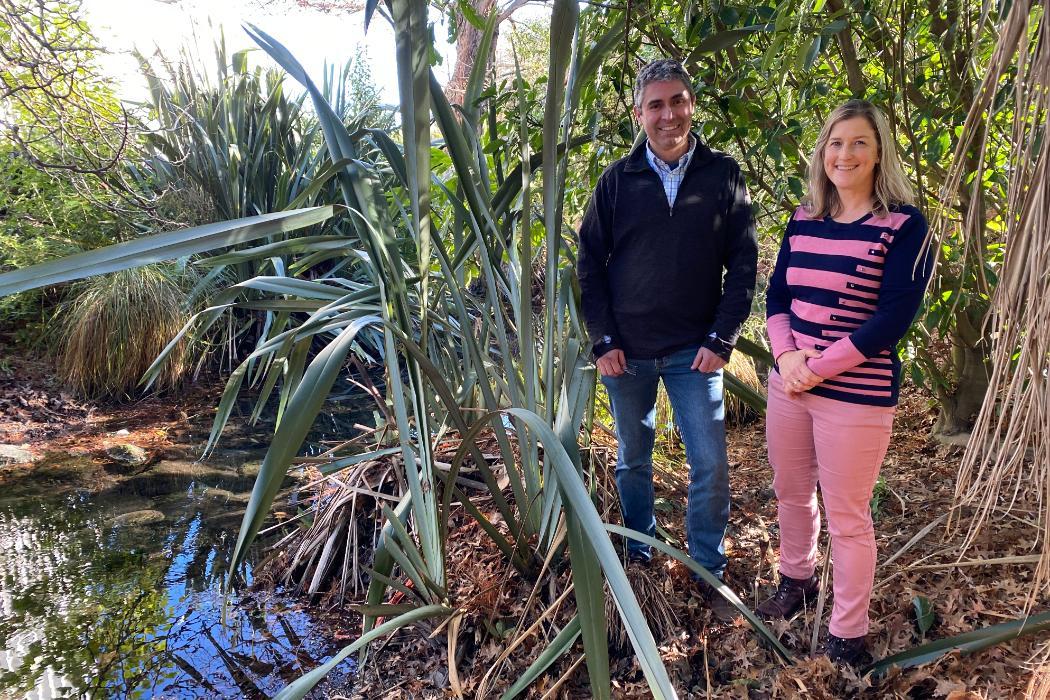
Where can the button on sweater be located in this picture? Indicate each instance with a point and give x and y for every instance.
(657, 278)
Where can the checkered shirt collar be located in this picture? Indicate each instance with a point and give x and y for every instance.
(671, 179)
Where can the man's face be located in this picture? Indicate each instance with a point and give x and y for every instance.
(666, 114)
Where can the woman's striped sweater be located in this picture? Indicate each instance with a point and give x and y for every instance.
(849, 290)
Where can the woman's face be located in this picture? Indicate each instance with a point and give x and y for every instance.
(850, 155)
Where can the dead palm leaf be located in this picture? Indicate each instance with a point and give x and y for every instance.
(648, 586)
(1008, 456)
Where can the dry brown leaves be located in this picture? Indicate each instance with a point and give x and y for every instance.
(32, 405)
(706, 659)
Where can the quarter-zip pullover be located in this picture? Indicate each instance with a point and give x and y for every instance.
(656, 278)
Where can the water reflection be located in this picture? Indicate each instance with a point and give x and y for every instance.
(90, 608)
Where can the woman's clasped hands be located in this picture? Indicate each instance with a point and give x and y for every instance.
(795, 373)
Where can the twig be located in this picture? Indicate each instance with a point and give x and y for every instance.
(910, 543)
(565, 677)
(707, 667)
(822, 598)
(1026, 559)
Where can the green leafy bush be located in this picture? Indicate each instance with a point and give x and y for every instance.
(42, 217)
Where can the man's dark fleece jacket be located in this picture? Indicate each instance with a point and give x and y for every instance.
(651, 275)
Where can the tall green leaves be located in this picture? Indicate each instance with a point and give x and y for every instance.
(413, 73)
(377, 236)
(243, 144)
(966, 643)
(563, 40)
(158, 247)
(505, 363)
(593, 546)
(304, 405)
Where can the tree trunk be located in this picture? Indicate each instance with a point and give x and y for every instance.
(844, 37)
(468, 41)
(960, 405)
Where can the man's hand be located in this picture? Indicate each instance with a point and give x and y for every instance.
(796, 373)
(612, 363)
(707, 361)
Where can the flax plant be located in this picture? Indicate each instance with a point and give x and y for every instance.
(441, 346)
(238, 136)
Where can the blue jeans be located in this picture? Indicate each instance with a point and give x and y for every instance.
(697, 402)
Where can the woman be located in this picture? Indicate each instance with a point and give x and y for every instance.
(846, 286)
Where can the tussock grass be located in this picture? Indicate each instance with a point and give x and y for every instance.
(649, 587)
(113, 326)
(1039, 685)
(738, 411)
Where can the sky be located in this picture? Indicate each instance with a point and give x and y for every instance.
(312, 36)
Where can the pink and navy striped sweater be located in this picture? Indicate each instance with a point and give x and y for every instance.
(849, 290)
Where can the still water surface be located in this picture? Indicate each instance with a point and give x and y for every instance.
(91, 607)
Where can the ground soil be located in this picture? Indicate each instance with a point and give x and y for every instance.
(38, 414)
(704, 658)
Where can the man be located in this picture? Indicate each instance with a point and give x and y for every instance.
(662, 226)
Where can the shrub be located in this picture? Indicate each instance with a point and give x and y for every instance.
(42, 217)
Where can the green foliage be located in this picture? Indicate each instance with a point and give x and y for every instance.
(925, 616)
(55, 105)
(524, 44)
(63, 138)
(879, 493)
(966, 643)
(42, 217)
(767, 74)
(242, 144)
(105, 322)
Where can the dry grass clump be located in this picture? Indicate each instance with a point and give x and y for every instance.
(1039, 686)
(738, 412)
(115, 325)
(649, 586)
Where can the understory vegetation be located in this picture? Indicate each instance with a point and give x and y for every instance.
(291, 235)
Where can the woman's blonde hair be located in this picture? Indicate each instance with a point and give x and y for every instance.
(891, 185)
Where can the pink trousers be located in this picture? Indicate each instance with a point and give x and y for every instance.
(840, 445)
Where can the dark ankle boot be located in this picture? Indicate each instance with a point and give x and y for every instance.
(850, 651)
(792, 594)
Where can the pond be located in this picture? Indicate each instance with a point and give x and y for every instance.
(116, 592)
